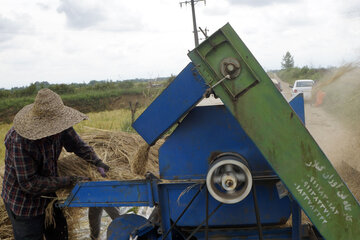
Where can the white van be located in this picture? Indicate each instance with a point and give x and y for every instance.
(303, 86)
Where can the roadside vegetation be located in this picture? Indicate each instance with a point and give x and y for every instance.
(291, 74)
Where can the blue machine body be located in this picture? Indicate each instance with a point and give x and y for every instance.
(184, 160)
(205, 131)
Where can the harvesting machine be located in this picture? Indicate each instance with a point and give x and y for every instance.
(243, 169)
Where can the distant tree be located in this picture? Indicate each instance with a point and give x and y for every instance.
(62, 88)
(287, 61)
(28, 91)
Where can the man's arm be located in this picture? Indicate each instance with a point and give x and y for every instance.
(26, 168)
(73, 143)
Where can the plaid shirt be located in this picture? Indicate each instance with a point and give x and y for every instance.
(31, 169)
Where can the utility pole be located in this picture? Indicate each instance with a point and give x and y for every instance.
(192, 2)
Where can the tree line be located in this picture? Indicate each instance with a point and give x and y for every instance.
(72, 88)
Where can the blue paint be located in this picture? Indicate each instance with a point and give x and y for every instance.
(206, 130)
(297, 104)
(175, 101)
(272, 209)
(123, 226)
(112, 194)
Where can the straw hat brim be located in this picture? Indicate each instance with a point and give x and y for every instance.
(34, 127)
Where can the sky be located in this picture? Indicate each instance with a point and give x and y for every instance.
(65, 41)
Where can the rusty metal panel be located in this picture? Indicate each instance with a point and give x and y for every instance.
(279, 134)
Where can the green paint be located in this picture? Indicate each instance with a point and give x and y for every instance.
(280, 135)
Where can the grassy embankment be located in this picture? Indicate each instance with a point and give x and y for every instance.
(84, 101)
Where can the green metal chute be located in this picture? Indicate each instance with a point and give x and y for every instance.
(279, 134)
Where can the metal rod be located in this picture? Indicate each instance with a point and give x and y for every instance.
(183, 212)
(198, 227)
(221, 80)
(207, 216)
(257, 213)
(196, 37)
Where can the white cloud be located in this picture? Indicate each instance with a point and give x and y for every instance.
(10, 27)
(260, 3)
(43, 6)
(80, 40)
(81, 13)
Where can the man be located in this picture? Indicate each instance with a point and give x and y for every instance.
(33, 145)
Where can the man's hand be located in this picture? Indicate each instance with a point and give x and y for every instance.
(102, 168)
(75, 179)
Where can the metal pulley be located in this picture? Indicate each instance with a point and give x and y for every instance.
(230, 66)
(229, 179)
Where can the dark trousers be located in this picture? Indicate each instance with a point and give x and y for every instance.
(95, 214)
(33, 227)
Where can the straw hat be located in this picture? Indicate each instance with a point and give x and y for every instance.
(46, 116)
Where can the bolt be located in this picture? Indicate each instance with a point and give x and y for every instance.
(229, 183)
(230, 68)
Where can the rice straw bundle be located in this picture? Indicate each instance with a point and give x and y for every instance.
(139, 160)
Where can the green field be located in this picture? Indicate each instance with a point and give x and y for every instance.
(86, 98)
(106, 103)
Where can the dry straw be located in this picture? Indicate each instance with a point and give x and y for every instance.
(6, 232)
(122, 151)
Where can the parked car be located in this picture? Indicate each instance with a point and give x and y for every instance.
(302, 86)
(277, 84)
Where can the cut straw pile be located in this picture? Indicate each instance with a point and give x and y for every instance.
(6, 232)
(128, 156)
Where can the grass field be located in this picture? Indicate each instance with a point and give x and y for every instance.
(116, 120)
